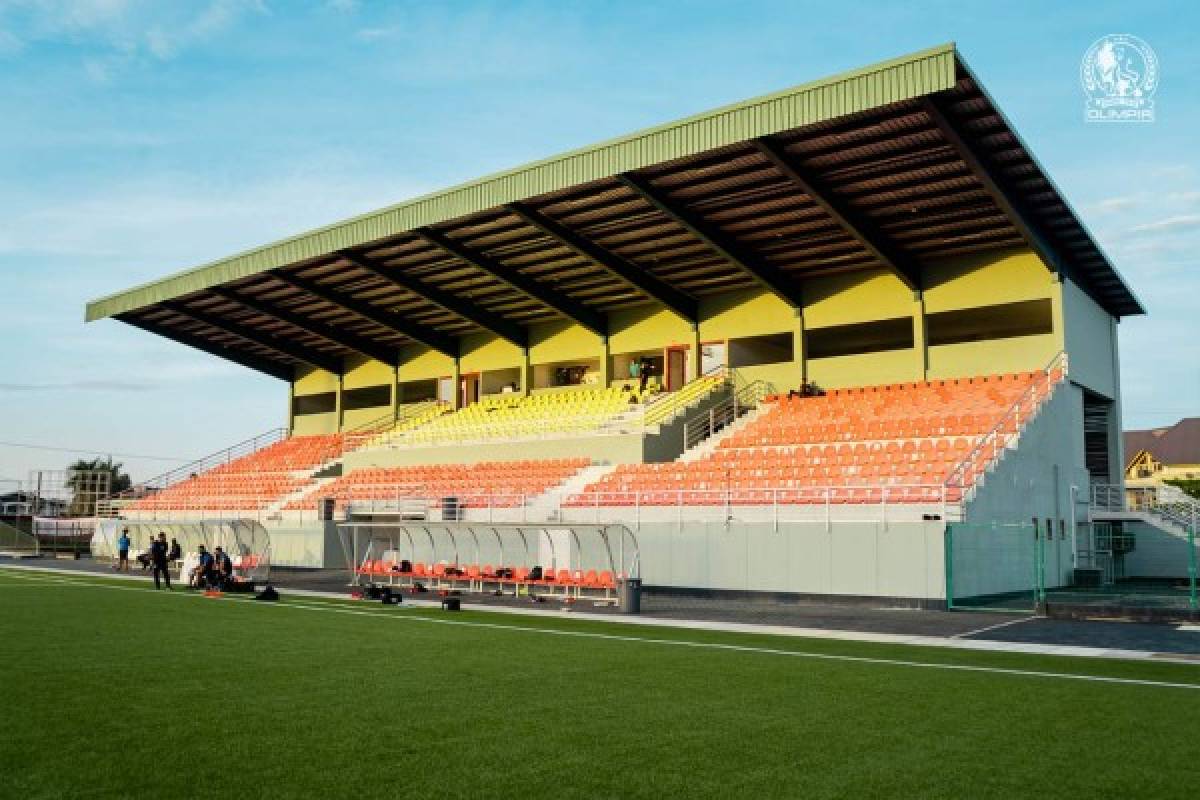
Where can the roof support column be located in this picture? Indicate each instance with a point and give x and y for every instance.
(605, 363)
(697, 360)
(799, 355)
(291, 408)
(920, 337)
(526, 373)
(395, 393)
(339, 410)
(456, 383)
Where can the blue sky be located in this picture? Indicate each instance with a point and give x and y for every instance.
(140, 138)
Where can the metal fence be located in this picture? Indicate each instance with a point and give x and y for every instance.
(1120, 567)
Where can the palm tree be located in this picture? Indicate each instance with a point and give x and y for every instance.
(86, 478)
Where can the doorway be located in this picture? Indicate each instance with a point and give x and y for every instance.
(676, 368)
(469, 386)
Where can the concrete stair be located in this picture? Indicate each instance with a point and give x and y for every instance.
(706, 447)
(279, 504)
(546, 505)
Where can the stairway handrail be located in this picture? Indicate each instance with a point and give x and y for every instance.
(1013, 413)
(748, 396)
(204, 463)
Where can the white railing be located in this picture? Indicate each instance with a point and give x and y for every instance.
(373, 431)
(964, 476)
(1167, 503)
(812, 504)
(723, 414)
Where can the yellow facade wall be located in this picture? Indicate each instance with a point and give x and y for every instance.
(646, 328)
(1016, 354)
(419, 363)
(482, 352)
(964, 282)
(310, 424)
(986, 279)
(753, 312)
(314, 381)
(362, 372)
(855, 297)
(552, 342)
(867, 369)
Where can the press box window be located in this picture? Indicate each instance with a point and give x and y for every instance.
(860, 338)
(751, 351)
(367, 397)
(1003, 321)
(322, 403)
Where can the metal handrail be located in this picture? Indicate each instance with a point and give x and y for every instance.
(204, 463)
(720, 415)
(360, 434)
(1179, 509)
(1013, 414)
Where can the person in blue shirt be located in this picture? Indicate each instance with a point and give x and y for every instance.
(123, 551)
(202, 573)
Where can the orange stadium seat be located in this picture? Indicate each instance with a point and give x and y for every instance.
(844, 447)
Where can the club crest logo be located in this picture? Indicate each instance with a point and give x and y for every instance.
(1120, 75)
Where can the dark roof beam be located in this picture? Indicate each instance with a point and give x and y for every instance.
(537, 290)
(251, 334)
(448, 301)
(266, 366)
(338, 335)
(851, 221)
(938, 108)
(763, 272)
(397, 323)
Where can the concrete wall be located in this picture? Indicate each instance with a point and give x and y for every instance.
(1158, 552)
(905, 560)
(1090, 336)
(1035, 479)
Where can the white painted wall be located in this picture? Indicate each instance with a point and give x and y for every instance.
(903, 560)
(1091, 341)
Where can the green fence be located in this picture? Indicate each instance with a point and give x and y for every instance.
(994, 567)
(15, 542)
(1116, 566)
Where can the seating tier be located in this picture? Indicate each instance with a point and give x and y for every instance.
(492, 482)
(862, 442)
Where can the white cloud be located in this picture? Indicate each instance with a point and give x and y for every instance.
(78, 386)
(122, 33)
(1115, 204)
(1182, 222)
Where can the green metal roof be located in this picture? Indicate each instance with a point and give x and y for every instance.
(899, 79)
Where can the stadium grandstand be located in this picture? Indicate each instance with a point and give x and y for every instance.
(784, 343)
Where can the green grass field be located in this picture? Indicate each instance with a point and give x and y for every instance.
(111, 689)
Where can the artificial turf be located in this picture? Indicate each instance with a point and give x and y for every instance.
(111, 689)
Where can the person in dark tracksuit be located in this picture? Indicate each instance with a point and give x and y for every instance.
(158, 559)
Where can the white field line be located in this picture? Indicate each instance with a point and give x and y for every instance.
(965, 634)
(916, 640)
(333, 609)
